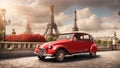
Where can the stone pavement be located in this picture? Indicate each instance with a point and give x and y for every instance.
(104, 59)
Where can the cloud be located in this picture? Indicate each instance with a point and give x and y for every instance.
(84, 13)
(39, 13)
(91, 3)
(111, 22)
(98, 27)
(60, 18)
(65, 29)
(38, 10)
(88, 21)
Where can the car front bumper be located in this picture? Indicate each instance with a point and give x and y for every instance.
(42, 52)
(47, 55)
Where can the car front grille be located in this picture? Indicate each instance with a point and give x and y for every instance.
(42, 51)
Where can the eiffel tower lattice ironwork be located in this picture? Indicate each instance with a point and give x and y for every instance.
(52, 27)
(75, 28)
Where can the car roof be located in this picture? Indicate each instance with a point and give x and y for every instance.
(75, 33)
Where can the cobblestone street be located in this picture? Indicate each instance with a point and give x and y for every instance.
(105, 59)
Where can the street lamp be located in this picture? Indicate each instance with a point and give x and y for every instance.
(3, 11)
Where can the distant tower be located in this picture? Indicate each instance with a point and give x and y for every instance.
(13, 32)
(52, 27)
(28, 28)
(75, 28)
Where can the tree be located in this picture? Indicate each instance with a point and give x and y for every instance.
(1, 27)
(50, 38)
(118, 41)
(109, 42)
(98, 41)
(1, 24)
(104, 42)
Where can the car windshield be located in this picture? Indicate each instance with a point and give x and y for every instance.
(64, 36)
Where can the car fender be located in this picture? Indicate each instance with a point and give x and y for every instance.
(60, 46)
(93, 48)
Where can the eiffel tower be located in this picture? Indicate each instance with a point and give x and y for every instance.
(75, 28)
(52, 27)
(28, 28)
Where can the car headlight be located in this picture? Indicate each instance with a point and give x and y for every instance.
(37, 46)
(50, 46)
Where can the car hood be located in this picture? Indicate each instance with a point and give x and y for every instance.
(54, 43)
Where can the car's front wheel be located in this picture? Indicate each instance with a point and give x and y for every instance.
(60, 55)
(41, 57)
(93, 54)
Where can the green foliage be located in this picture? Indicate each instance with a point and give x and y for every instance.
(1, 35)
(118, 41)
(1, 28)
(1, 24)
(104, 42)
(109, 42)
(50, 38)
(98, 41)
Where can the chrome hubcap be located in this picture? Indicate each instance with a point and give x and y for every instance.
(61, 56)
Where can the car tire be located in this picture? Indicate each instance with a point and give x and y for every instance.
(41, 57)
(93, 54)
(60, 55)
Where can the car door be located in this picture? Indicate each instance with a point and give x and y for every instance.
(77, 44)
(87, 43)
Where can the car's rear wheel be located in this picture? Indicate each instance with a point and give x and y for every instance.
(60, 55)
(41, 57)
(93, 54)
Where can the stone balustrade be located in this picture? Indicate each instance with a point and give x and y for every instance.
(18, 46)
(103, 47)
(29, 46)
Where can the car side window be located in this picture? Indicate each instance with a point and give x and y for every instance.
(86, 38)
(91, 38)
(77, 37)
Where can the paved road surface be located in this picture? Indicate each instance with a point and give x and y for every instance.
(107, 59)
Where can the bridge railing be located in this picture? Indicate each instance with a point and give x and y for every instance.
(107, 47)
(18, 46)
(29, 46)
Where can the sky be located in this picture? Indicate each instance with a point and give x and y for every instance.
(98, 17)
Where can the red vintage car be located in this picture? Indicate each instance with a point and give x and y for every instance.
(67, 44)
